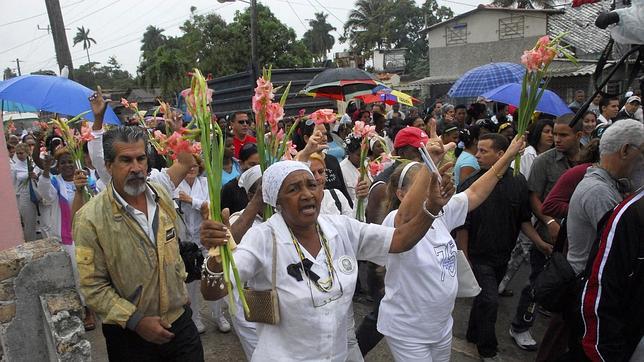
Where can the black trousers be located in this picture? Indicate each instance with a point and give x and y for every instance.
(481, 327)
(126, 345)
(524, 317)
(367, 333)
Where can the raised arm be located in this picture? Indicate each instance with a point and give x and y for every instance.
(481, 189)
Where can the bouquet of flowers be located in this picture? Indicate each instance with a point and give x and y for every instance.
(212, 143)
(170, 143)
(364, 132)
(535, 80)
(274, 145)
(74, 140)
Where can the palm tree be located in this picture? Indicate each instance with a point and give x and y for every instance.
(368, 23)
(82, 36)
(153, 38)
(317, 39)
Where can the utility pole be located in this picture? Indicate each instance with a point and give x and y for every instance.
(17, 61)
(63, 56)
(253, 40)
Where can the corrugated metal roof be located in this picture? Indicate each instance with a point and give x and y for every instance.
(579, 24)
(433, 80)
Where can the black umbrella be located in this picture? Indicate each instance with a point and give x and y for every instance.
(341, 84)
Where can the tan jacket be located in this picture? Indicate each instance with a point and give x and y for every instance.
(124, 276)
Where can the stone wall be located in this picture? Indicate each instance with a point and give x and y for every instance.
(40, 310)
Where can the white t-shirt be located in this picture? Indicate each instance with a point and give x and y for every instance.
(329, 206)
(305, 332)
(351, 175)
(421, 284)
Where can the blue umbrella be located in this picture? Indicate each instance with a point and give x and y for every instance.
(53, 94)
(9, 106)
(486, 77)
(550, 102)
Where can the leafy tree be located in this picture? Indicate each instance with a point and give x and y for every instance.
(109, 76)
(394, 23)
(368, 25)
(153, 38)
(82, 36)
(8, 73)
(168, 68)
(277, 44)
(318, 39)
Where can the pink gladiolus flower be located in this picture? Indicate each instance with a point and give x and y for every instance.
(196, 148)
(86, 133)
(291, 151)
(264, 90)
(543, 42)
(547, 55)
(58, 132)
(134, 106)
(358, 128)
(375, 168)
(280, 135)
(322, 116)
(125, 103)
(191, 102)
(384, 157)
(532, 60)
(159, 136)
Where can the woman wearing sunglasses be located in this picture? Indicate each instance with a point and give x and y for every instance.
(316, 259)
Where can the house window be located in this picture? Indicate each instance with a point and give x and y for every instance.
(456, 34)
(512, 27)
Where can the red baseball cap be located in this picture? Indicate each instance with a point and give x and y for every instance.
(410, 136)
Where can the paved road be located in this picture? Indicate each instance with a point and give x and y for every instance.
(225, 347)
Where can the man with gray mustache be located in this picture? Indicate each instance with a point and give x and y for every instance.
(131, 272)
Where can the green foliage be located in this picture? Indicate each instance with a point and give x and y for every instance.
(210, 44)
(318, 39)
(394, 24)
(8, 73)
(82, 36)
(109, 76)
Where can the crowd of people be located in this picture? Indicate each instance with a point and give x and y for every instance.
(578, 194)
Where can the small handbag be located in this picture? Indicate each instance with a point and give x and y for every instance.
(468, 287)
(263, 305)
(553, 283)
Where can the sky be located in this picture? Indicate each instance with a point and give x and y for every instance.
(118, 25)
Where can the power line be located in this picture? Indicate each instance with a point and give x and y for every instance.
(93, 12)
(23, 44)
(139, 36)
(341, 22)
(37, 15)
(297, 16)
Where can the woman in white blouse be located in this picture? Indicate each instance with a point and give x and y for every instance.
(314, 303)
(421, 284)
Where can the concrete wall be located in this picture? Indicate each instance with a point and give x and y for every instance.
(455, 60)
(483, 27)
(40, 310)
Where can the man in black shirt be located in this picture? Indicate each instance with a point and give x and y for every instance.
(234, 197)
(488, 237)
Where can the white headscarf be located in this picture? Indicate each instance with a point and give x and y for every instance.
(275, 175)
(249, 177)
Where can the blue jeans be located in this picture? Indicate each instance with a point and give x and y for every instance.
(481, 327)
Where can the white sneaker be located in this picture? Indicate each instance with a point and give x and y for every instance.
(201, 328)
(524, 340)
(222, 324)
